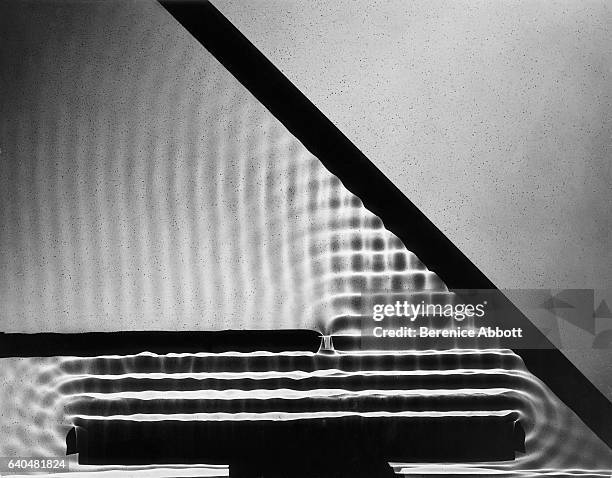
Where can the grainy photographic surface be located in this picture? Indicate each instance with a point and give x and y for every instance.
(202, 276)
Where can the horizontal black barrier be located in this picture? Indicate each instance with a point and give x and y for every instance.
(126, 343)
(322, 443)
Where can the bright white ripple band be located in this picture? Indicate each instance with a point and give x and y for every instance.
(281, 416)
(284, 393)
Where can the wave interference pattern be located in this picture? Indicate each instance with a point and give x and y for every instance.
(43, 398)
(180, 203)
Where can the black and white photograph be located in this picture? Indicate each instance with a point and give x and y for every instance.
(306, 239)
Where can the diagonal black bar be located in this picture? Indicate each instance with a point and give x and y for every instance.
(399, 215)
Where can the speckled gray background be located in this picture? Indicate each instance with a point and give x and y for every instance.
(495, 118)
